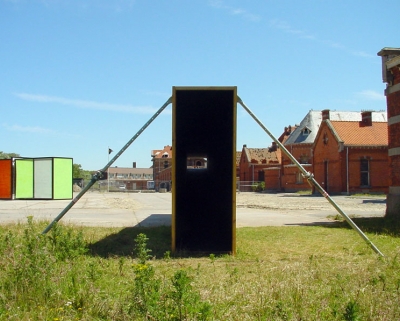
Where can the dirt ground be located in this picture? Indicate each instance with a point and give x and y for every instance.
(363, 205)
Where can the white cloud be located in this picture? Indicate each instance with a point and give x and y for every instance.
(372, 95)
(333, 44)
(286, 27)
(87, 104)
(29, 129)
(39, 130)
(218, 4)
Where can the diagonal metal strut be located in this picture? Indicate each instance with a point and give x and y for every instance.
(101, 172)
(310, 178)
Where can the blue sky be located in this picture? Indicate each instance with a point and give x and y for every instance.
(79, 76)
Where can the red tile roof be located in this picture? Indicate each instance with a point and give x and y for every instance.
(162, 153)
(238, 156)
(262, 155)
(351, 133)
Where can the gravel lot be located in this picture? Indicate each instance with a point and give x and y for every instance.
(150, 209)
(288, 202)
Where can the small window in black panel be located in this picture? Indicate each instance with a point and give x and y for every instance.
(196, 162)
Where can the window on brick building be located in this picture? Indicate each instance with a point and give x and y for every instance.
(299, 178)
(304, 159)
(364, 171)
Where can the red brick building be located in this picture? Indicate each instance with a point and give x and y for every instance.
(238, 157)
(162, 168)
(391, 76)
(300, 144)
(351, 156)
(273, 174)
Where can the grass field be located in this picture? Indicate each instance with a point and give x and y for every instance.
(279, 273)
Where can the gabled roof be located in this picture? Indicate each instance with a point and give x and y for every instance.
(312, 121)
(261, 155)
(350, 133)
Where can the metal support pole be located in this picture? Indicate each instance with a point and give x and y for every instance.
(310, 178)
(99, 174)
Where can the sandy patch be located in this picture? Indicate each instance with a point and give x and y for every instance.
(123, 203)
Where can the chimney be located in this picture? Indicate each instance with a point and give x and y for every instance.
(273, 148)
(325, 114)
(134, 164)
(366, 118)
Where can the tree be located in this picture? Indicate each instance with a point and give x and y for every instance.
(8, 155)
(78, 172)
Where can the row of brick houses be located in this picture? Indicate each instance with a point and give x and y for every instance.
(346, 152)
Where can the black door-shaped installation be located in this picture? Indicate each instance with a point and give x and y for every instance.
(204, 169)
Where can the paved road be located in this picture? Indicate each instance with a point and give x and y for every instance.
(151, 209)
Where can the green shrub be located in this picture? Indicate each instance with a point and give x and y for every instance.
(258, 187)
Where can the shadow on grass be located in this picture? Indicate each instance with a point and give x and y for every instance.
(123, 242)
(376, 225)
